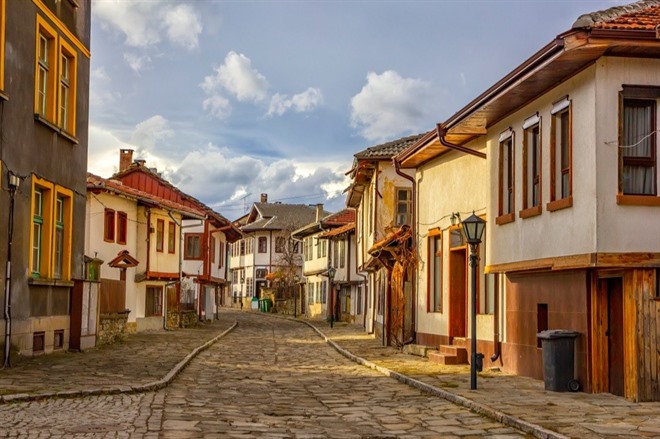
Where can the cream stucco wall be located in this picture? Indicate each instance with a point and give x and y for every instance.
(621, 228)
(453, 182)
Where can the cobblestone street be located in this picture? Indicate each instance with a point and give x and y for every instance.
(267, 378)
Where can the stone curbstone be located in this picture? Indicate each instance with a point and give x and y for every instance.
(127, 388)
(512, 421)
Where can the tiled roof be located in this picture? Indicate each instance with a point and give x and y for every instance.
(278, 216)
(641, 15)
(389, 149)
(393, 239)
(340, 218)
(94, 182)
(338, 231)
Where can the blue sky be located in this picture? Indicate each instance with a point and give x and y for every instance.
(230, 99)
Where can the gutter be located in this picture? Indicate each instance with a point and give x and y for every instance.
(413, 221)
(442, 132)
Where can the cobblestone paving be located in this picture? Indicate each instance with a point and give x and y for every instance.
(273, 378)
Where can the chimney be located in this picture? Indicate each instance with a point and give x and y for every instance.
(141, 162)
(264, 198)
(319, 212)
(125, 158)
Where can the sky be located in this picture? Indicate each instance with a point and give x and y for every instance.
(232, 99)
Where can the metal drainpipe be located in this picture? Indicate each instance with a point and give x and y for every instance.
(413, 222)
(496, 326)
(10, 234)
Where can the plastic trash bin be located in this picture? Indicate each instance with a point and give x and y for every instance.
(268, 304)
(559, 359)
(254, 303)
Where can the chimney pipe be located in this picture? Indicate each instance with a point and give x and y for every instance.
(125, 158)
(264, 198)
(319, 212)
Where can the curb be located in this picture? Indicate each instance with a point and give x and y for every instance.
(139, 388)
(512, 421)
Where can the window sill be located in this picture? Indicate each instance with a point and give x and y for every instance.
(505, 219)
(70, 137)
(560, 204)
(3, 96)
(40, 281)
(637, 200)
(530, 212)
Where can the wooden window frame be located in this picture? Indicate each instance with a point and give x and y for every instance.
(122, 227)
(262, 240)
(432, 253)
(45, 105)
(160, 235)
(68, 83)
(635, 93)
(529, 209)
(506, 216)
(109, 224)
(212, 245)
(44, 267)
(280, 244)
(407, 202)
(557, 201)
(186, 254)
(171, 237)
(221, 251)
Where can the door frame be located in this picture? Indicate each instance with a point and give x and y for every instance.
(458, 297)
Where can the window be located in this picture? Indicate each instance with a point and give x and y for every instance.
(638, 145)
(531, 167)
(342, 253)
(506, 186)
(280, 243)
(321, 248)
(59, 237)
(160, 231)
(403, 206)
(324, 292)
(171, 237)
(193, 248)
(46, 70)
(67, 96)
(212, 249)
(221, 254)
(262, 244)
(435, 272)
(58, 339)
(122, 227)
(242, 251)
(153, 301)
(109, 225)
(561, 152)
(261, 273)
(50, 237)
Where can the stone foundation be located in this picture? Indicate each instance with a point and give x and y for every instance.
(184, 319)
(112, 328)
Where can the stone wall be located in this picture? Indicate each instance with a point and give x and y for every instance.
(184, 319)
(112, 328)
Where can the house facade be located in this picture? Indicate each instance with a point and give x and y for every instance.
(572, 143)
(382, 198)
(442, 275)
(267, 252)
(44, 100)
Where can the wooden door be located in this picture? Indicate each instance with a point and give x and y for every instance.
(457, 292)
(615, 336)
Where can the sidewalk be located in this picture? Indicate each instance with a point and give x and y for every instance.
(149, 361)
(517, 401)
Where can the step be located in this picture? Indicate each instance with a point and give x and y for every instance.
(417, 349)
(461, 342)
(440, 358)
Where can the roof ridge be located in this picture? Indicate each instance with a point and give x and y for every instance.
(606, 15)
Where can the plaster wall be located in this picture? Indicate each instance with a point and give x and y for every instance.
(621, 228)
(453, 182)
(163, 261)
(562, 232)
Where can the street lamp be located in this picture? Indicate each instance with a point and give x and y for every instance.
(473, 228)
(296, 281)
(331, 276)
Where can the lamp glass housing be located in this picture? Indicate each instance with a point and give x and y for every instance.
(474, 227)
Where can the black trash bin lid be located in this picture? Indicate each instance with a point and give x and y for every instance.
(550, 334)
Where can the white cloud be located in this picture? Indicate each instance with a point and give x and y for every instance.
(301, 102)
(146, 23)
(99, 74)
(136, 62)
(237, 77)
(390, 105)
(218, 106)
(149, 133)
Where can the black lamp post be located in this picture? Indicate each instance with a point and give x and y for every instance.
(296, 281)
(473, 227)
(331, 276)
